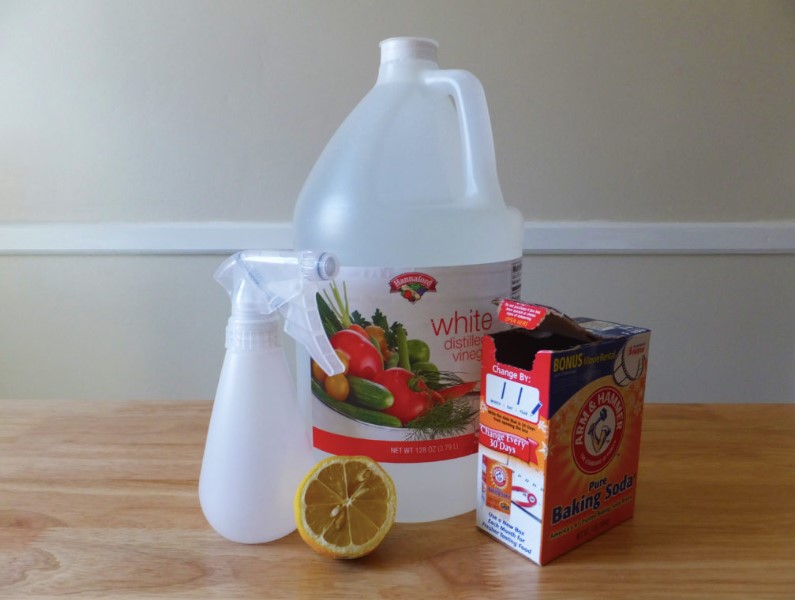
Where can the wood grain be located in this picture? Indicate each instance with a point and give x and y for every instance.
(99, 500)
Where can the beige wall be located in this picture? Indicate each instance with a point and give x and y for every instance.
(659, 111)
(153, 326)
(190, 110)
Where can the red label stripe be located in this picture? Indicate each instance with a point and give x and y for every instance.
(396, 452)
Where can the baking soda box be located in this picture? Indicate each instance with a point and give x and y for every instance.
(560, 418)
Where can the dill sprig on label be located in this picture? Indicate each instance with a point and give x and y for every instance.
(443, 420)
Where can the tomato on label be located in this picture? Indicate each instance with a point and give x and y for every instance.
(344, 359)
(409, 404)
(317, 373)
(364, 358)
(320, 375)
(337, 387)
(377, 333)
(358, 329)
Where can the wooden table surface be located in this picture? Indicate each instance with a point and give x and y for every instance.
(99, 499)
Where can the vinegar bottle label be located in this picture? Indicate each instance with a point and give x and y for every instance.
(411, 341)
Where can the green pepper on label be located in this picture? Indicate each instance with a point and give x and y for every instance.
(424, 368)
(419, 351)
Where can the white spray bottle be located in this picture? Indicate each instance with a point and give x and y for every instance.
(258, 447)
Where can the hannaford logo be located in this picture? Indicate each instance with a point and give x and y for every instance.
(412, 286)
(598, 430)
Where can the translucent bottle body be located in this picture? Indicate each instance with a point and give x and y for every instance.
(256, 451)
(406, 194)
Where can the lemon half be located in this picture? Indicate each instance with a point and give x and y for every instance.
(345, 506)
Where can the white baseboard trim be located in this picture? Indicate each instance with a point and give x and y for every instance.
(594, 237)
(540, 237)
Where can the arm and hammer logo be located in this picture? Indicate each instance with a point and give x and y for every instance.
(598, 430)
(412, 286)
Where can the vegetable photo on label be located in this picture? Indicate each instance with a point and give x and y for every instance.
(371, 394)
(410, 400)
(365, 359)
(389, 379)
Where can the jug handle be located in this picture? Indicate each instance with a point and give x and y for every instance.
(480, 165)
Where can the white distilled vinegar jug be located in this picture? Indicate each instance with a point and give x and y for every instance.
(407, 195)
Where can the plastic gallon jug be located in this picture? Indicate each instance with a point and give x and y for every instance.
(406, 194)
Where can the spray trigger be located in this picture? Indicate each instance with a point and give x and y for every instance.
(259, 283)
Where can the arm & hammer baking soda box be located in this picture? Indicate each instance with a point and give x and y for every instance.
(561, 406)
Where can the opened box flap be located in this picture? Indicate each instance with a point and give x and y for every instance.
(543, 320)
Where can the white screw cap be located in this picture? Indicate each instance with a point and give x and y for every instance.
(408, 48)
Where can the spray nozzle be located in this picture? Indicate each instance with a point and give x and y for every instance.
(259, 283)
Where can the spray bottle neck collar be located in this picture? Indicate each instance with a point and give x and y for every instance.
(253, 334)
